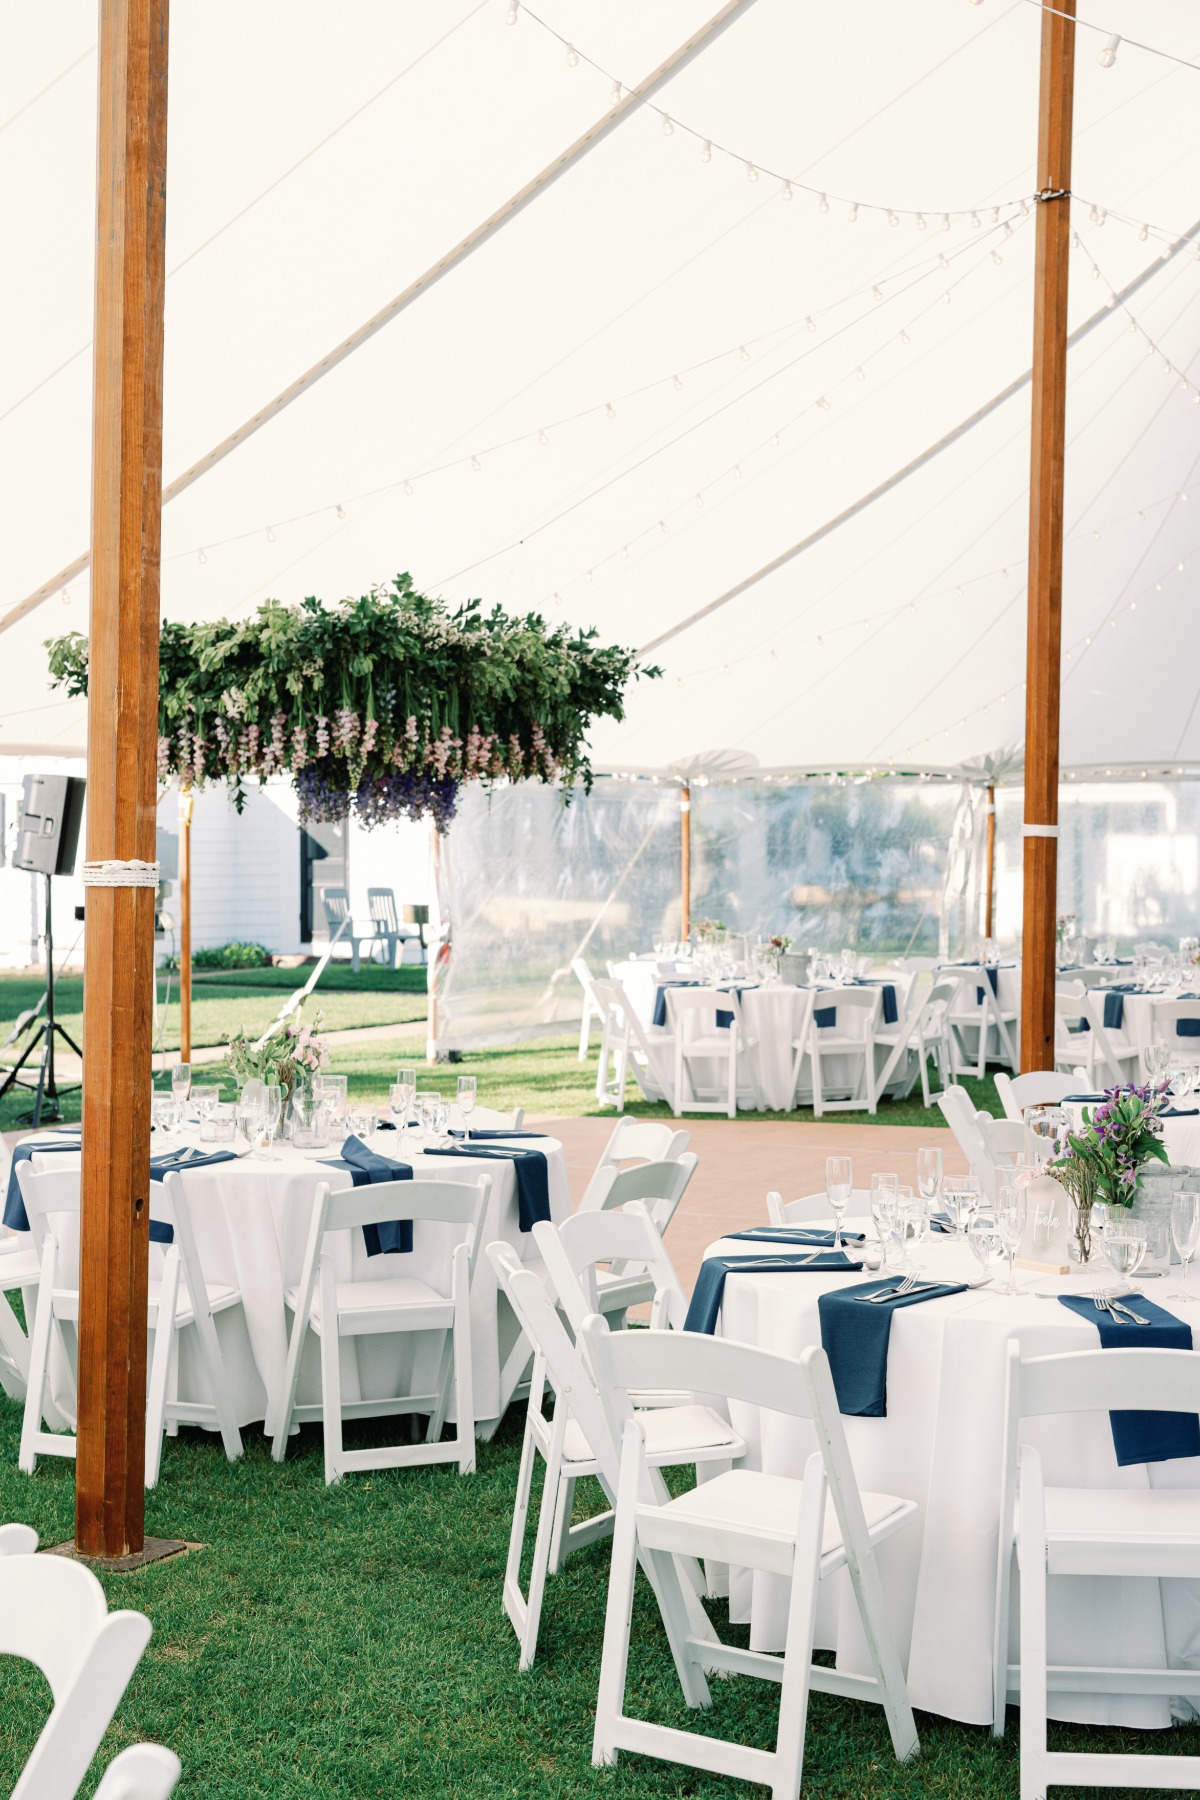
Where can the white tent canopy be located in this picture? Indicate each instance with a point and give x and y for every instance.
(721, 366)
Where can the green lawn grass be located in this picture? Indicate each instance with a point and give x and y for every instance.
(340, 1643)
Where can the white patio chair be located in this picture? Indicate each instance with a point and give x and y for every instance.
(692, 1017)
(661, 1184)
(959, 1112)
(385, 923)
(924, 1028)
(851, 1036)
(143, 1772)
(577, 1441)
(627, 1047)
(646, 1140)
(335, 902)
(798, 1212)
(977, 1016)
(1041, 1087)
(176, 1299)
(625, 1240)
(53, 1613)
(592, 1008)
(20, 1268)
(757, 1521)
(1004, 1144)
(334, 1310)
(1125, 1531)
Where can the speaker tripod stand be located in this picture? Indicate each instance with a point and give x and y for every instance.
(45, 1088)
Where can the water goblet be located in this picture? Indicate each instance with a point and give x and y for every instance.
(1124, 1247)
(986, 1240)
(962, 1196)
(1185, 1231)
(428, 1101)
(181, 1081)
(165, 1113)
(204, 1099)
(839, 1183)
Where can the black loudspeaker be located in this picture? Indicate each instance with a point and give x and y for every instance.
(48, 834)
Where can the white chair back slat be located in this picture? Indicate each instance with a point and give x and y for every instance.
(805, 1211)
(627, 1240)
(1041, 1087)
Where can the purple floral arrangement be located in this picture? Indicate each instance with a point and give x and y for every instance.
(1118, 1137)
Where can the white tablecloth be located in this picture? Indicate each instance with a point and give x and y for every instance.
(773, 1014)
(940, 1445)
(251, 1220)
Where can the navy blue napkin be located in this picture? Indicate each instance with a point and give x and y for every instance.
(993, 976)
(1179, 1112)
(941, 1222)
(824, 1015)
(533, 1179)
(793, 1234)
(659, 1016)
(856, 1336)
(183, 1160)
(705, 1304)
(891, 1011)
(1187, 1028)
(1142, 1437)
(14, 1207)
(389, 1236)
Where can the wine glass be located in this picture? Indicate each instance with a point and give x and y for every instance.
(165, 1113)
(929, 1176)
(1124, 1246)
(1185, 1230)
(204, 1099)
(466, 1099)
(437, 1114)
(272, 1112)
(1011, 1203)
(986, 1241)
(361, 1121)
(181, 1081)
(839, 1182)
(1158, 1059)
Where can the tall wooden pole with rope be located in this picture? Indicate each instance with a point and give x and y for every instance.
(122, 776)
(1046, 476)
(685, 857)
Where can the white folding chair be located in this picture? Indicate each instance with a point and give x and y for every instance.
(487, 1118)
(800, 1043)
(1041, 1087)
(592, 1009)
(978, 1011)
(924, 1029)
(53, 1613)
(1126, 1531)
(851, 1035)
(798, 1212)
(334, 1310)
(627, 1047)
(578, 1441)
(1004, 1143)
(642, 1140)
(177, 1298)
(772, 1523)
(143, 1772)
(1168, 1015)
(692, 1017)
(20, 1268)
(958, 1110)
(626, 1242)
(660, 1186)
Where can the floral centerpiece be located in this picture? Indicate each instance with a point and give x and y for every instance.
(382, 705)
(1102, 1159)
(779, 945)
(290, 1055)
(710, 931)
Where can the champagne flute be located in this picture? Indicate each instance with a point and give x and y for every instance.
(181, 1082)
(1011, 1207)
(1185, 1230)
(402, 1096)
(466, 1099)
(839, 1182)
(272, 1112)
(929, 1177)
(885, 1192)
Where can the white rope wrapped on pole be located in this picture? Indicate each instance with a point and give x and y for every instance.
(116, 874)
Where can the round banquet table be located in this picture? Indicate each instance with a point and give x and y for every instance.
(773, 1013)
(940, 1445)
(251, 1219)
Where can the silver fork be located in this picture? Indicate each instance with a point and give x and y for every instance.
(896, 1293)
(1124, 1315)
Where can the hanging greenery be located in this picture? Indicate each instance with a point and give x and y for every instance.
(384, 705)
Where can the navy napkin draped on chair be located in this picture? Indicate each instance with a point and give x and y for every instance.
(855, 1336)
(705, 1305)
(186, 1157)
(1142, 1437)
(531, 1171)
(14, 1206)
(825, 1017)
(390, 1236)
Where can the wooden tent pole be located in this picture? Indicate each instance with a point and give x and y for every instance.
(186, 799)
(122, 774)
(989, 902)
(1043, 672)
(685, 846)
